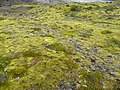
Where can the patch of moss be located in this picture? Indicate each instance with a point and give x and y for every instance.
(4, 61)
(47, 36)
(86, 33)
(74, 8)
(1, 18)
(106, 32)
(36, 29)
(68, 33)
(5, 32)
(30, 53)
(113, 42)
(58, 47)
(117, 84)
(67, 30)
(2, 38)
(93, 80)
(15, 72)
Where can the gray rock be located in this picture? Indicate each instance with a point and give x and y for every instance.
(50, 47)
(83, 57)
(97, 69)
(66, 86)
(78, 86)
(92, 68)
(2, 78)
(115, 74)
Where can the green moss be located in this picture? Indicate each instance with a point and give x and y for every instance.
(47, 36)
(68, 33)
(86, 33)
(93, 80)
(5, 32)
(30, 53)
(42, 60)
(2, 38)
(116, 84)
(37, 29)
(1, 18)
(4, 61)
(106, 32)
(74, 8)
(7, 22)
(58, 47)
(113, 42)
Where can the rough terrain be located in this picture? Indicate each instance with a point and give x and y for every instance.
(62, 46)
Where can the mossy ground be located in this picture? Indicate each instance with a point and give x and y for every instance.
(60, 46)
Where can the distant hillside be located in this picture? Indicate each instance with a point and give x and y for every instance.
(48, 1)
(13, 1)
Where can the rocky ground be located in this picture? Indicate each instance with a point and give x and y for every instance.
(62, 46)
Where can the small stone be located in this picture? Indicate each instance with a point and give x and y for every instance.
(84, 85)
(54, 52)
(103, 85)
(83, 57)
(50, 47)
(2, 78)
(97, 69)
(111, 68)
(80, 76)
(78, 86)
(31, 34)
(6, 69)
(92, 68)
(107, 75)
(115, 74)
(88, 70)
